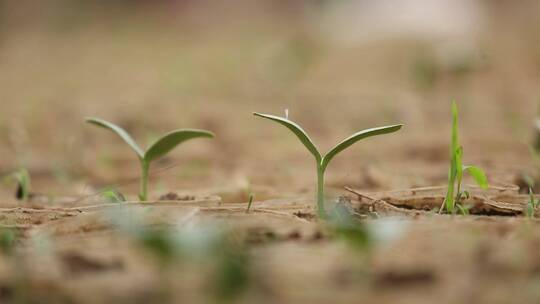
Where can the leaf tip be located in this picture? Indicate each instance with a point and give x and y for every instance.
(210, 134)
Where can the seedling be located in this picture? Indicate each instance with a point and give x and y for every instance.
(532, 205)
(454, 194)
(113, 196)
(22, 178)
(323, 161)
(159, 148)
(250, 201)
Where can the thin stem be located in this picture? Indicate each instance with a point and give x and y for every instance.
(320, 192)
(458, 193)
(143, 195)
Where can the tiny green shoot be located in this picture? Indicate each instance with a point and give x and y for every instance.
(113, 196)
(454, 194)
(323, 161)
(532, 204)
(22, 178)
(250, 201)
(159, 148)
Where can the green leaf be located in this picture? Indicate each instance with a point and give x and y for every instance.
(463, 210)
(250, 202)
(455, 129)
(119, 131)
(354, 138)
(459, 164)
(478, 175)
(529, 211)
(170, 140)
(455, 158)
(531, 205)
(298, 131)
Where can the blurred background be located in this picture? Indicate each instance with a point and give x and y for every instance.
(338, 66)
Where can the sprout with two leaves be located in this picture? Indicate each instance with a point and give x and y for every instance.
(323, 161)
(454, 193)
(158, 149)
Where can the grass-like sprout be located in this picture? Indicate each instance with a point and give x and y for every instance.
(159, 148)
(323, 161)
(113, 196)
(250, 202)
(22, 178)
(454, 194)
(532, 204)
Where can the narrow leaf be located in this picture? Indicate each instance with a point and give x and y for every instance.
(250, 202)
(449, 199)
(463, 210)
(170, 140)
(119, 131)
(455, 159)
(298, 131)
(478, 175)
(354, 138)
(459, 164)
(531, 205)
(455, 129)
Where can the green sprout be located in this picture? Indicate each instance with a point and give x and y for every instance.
(532, 204)
(454, 194)
(250, 201)
(159, 148)
(22, 178)
(323, 161)
(112, 195)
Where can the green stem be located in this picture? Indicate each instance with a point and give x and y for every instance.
(458, 193)
(320, 192)
(449, 202)
(143, 194)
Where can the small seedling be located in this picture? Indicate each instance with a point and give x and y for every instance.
(159, 148)
(250, 201)
(113, 196)
(532, 204)
(323, 161)
(454, 194)
(22, 178)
